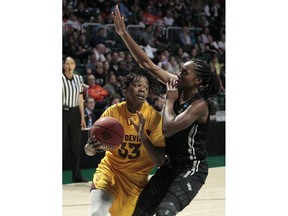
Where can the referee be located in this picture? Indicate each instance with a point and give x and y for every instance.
(73, 115)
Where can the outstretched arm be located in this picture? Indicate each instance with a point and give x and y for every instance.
(139, 55)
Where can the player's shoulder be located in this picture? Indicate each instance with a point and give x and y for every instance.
(150, 111)
(117, 107)
(199, 105)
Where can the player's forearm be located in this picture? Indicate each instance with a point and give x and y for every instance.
(157, 154)
(168, 118)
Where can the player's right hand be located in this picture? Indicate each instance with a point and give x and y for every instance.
(93, 146)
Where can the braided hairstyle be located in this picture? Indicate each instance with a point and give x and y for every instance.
(210, 85)
(154, 84)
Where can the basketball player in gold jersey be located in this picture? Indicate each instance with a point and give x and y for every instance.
(123, 172)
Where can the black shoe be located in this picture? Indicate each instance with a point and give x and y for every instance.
(80, 179)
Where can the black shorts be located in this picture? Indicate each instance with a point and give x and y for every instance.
(176, 184)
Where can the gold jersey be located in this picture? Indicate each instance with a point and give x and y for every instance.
(124, 171)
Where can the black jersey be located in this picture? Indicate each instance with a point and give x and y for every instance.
(189, 144)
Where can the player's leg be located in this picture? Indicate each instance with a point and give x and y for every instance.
(103, 191)
(153, 193)
(182, 191)
(101, 202)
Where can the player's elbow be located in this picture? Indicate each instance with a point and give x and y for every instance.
(160, 161)
(167, 131)
(147, 64)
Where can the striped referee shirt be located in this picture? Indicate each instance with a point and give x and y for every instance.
(71, 88)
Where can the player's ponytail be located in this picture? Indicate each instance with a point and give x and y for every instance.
(210, 84)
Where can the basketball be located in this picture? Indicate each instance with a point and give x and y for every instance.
(108, 131)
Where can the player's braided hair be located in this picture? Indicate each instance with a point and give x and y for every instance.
(210, 85)
(154, 84)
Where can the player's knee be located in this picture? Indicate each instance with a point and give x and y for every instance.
(141, 212)
(95, 213)
(166, 209)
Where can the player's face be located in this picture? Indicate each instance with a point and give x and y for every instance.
(187, 77)
(69, 65)
(138, 90)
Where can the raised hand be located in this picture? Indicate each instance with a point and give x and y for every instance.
(118, 21)
(139, 128)
(172, 90)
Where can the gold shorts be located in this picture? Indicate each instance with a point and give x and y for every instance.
(124, 190)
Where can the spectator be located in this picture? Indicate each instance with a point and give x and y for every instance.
(205, 34)
(106, 67)
(67, 11)
(88, 71)
(216, 67)
(164, 62)
(101, 38)
(174, 65)
(148, 49)
(130, 62)
(73, 22)
(84, 48)
(71, 48)
(108, 56)
(186, 38)
(214, 45)
(194, 53)
(148, 35)
(159, 40)
(99, 74)
(168, 20)
(99, 51)
(149, 17)
(95, 91)
(208, 53)
(88, 111)
(82, 12)
(121, 55)
(114, 61)
(122, 70)
(180, 54)
(221, 43)
(114, 99)
(111, 85)
(199, 45)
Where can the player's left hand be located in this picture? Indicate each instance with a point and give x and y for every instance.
(139, 127)
(119, 21)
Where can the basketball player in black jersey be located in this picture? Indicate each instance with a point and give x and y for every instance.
(185, 119)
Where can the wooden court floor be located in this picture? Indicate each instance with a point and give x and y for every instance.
(210, 201)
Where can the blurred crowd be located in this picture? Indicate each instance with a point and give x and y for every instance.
(169, 31)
